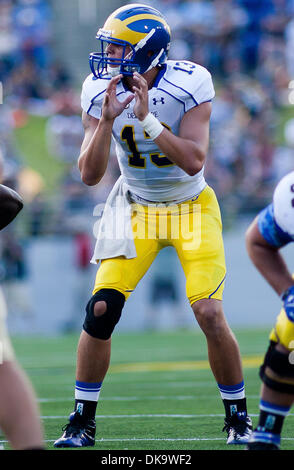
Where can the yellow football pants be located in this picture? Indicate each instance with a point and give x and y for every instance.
(193, 228)
(283, 332)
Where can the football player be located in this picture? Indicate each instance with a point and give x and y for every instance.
(158, 112)
(270, 231)
(19, 414)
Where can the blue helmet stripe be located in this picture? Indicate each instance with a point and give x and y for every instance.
(140, 25)
(141, 10)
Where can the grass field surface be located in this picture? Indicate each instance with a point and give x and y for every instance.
(159, 392)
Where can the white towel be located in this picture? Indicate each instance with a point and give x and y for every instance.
(114, 230)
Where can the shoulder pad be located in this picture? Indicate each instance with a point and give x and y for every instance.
(92, 95)
(188, 82)
(283, 201)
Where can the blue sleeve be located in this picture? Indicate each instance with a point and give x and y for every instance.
(270, 230)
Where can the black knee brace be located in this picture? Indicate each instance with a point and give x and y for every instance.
(102, 326)
(280, 364)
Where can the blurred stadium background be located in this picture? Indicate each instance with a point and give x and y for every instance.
(248, 46)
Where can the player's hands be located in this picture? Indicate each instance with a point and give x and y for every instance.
(288, 300)
(112, 107)
(141, 108)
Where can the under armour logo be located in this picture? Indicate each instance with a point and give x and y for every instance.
(233, 409)
(155, 101)
(270, 421)
(79, 408)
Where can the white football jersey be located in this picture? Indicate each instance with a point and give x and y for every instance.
(283, 204)
(179, 86)
(276, 221)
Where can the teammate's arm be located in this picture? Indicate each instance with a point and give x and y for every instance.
(95, 148)
(189, 149)
(268, 260)
(10, 205)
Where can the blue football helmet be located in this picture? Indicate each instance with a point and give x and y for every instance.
(144, 35)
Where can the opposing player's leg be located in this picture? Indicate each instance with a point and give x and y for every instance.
(203, 261)
(277, 392)
(115, 280)
(19, 413)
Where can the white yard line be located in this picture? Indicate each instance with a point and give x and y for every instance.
(184, 416)
(154, 415)
(135, 398)
(147, 439)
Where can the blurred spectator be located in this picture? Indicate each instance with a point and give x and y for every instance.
(38, 217)
(31, 20)
(25, 83)
(289, 47)
(10, 164)
(8, 39)
(64, 130)
(15, 280)
(83, 274)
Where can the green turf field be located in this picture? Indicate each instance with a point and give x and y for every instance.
(159, 392)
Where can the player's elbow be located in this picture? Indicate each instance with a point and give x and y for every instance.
(196, 161)
(88, 177)
(249, 239)
(255, 243)
(89, 180)
(192, 171)
(194, 167)
(252, 236)
(189, 172)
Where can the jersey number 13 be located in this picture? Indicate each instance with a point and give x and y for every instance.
(136, 159)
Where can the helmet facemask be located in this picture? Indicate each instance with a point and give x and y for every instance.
(106, 67)
(144, 36)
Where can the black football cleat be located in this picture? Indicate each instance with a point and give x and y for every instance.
(255, 445)
(239, 429)
(262, 440)
(77, 433)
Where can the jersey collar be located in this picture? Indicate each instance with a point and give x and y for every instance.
(159, 76)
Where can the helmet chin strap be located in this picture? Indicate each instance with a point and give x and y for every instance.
(155, 61)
